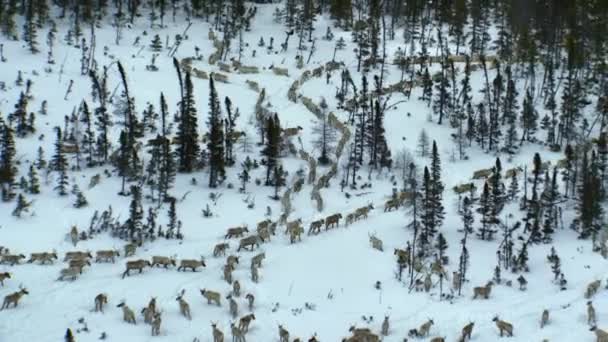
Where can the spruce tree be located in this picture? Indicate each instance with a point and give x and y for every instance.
(438, 187)
(467, 215)
(8, 168)
(59, 164)
(33, 182)
(22, 206)
(188, 149)
(136, 213)
(215, 143)
(69, 337)
(272, 149)
(529, 118)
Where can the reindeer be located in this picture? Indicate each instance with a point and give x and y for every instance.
(156, 324)
(44, 257)
(264, 234)
(391, 204)
(332, 221)
(257, 260)
(79, 264)
(127, 314)
(130, 249)
(263, 225)
(349, 219)
(467, 330)
(74, 235)
(14, 298)
(245, 321)
(136, 265)
(163, 261)
(228, 273)
(483, 291)
(361, 335)
(100, 300)
(250, 301)
(289, 226)
(438, 339)
(591, 320)
(283, 334)
(149, 311)
(255, 276)
(295, 234)
(191, 264)
(237, 334)
(236, 288)
(218, 335)
(592, 288)
(77, 255)
(363, 212)
(544, 319)
(375, 242)
(4, 276)
(232, 261)
(428, 283)
(425, 328)
(523, 283)
(385, 327)
(456, 279)
(70, 273)
(236, 232)
(220, 249)
(106, 256)
(184, 307)
(233, 307)
(250, 241)
(315, 227)
(211, 296)
(11, 259)
(600, 335)
(503, 326)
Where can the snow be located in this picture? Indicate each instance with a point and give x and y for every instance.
(335, 271)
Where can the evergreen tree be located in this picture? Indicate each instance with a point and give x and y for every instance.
(427, 87)
(442, 105)
(188, 149)
(482, 128)
(509, 114)
(40, 161)
(272, 149)
(486, 210)
(438, 187)
(69, 337)
(513, 187)
(215, 143)
(149, 118)
(529, 117)
(463, 262)
(33, 182)
(467, 215)
(81, 200)
(8, 168)
(59, 164)
(156, 45)
(20, 117)
(427, 212)
(589, 209)
(325, 134)
(136, 213)
(423, 143)
(441, 245)
(22, 206)
(30, 28)
(172, 225)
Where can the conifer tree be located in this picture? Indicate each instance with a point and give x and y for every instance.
(33, 182)
(188, 149)
(69, 337)
(22, 206)
(438, 187)
(215, 143)
(272, 149)
(136, 213)
(467, 215)
(81, 201)
(529, 118)
(59, 164)
(8, 168)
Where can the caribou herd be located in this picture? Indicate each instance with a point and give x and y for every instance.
(77, 261)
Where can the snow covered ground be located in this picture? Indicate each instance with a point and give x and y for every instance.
(334, 272)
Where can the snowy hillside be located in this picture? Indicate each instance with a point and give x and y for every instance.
(447, 172)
